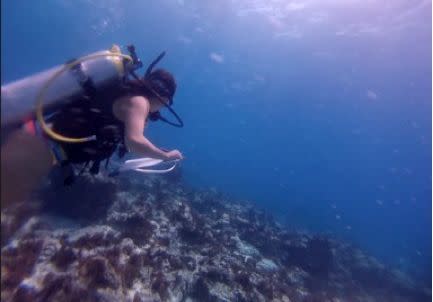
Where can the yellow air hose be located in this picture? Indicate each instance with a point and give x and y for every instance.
(42, 92)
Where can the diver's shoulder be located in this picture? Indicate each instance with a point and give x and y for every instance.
(139, 99)
(123, 103)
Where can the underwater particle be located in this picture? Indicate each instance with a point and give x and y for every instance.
(333, 205)
(395, 151)
(413, 199)
(184, 39)
(382, 187)
(275, 22)
(408, 171)
(377, 140)
(337, 217)
(418, 253)
(348, 227)
(423, 140)
(393, 170)
(292, 33)
(259, 78)
(414, 125)
(241, 87)
(326, 55)
(230, 105)
(293, 6)
(319, 106)
(379, 202)
(397, 201)
(356, 131)
(218, 58)
(319, 17)
(372, 95)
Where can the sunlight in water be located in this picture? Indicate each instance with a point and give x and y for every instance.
(291, 19)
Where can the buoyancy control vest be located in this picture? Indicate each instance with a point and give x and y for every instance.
(91, 116)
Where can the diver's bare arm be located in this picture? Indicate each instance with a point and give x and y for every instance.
(135, 120)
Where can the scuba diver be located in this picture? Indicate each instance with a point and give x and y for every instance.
(86, 110)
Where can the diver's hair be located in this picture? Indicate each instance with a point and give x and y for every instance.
(160, 81)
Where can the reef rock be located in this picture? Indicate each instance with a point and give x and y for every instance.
(154, 239)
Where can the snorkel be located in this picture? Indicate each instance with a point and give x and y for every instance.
(153, 116)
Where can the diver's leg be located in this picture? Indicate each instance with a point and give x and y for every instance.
(25, 162)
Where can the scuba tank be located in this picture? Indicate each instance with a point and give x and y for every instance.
(56, 86)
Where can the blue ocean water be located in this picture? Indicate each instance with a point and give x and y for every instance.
(317, 111)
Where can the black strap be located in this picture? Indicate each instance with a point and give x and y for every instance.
(68, 173)
(155, 116)
(107, 162)
(122, 150)
(149, 69)
(84, 168)
(95, 167)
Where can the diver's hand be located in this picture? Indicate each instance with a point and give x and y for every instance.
(173, 154)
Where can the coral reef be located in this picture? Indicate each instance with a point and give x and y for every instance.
(153, 239)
